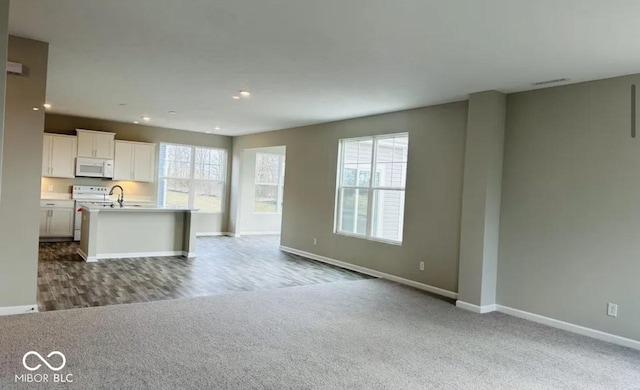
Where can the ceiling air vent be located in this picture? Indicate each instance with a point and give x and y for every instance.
(14, 67)
(547, 82)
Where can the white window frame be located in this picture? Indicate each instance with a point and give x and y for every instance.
(280, 184)
(192, 173)
(371, 188)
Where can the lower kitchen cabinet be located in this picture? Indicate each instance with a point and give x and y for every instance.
(56, 219)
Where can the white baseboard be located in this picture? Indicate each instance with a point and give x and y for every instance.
(475, 308)
(212, 234)
(371, 272)
(552, 322)
(11, 310)
(216, 234)
(86, 258)
(582, 330)
(106, 256)
(265, 233)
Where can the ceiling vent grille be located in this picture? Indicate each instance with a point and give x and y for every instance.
(547, 82)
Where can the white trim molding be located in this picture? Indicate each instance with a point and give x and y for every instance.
(214, 234)
(105, 256)
(86, 258)
(229, 234)
(210, 234)
(371, 272)
(12, 310)
(582, 330)
(552, 322)
(475, 308)
(259, 233)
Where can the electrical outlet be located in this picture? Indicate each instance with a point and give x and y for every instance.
(315, 241)
(612, 309)
(422, 266)
(50, 188)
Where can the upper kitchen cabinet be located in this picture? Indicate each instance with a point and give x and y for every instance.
(95, 144)
(58, 155)
(134, 161)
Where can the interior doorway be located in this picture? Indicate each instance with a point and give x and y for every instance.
(262, 190)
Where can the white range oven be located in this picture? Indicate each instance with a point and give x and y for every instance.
(87, 195)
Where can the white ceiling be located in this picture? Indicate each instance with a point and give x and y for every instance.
(312, 61)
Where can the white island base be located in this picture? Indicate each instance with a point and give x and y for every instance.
(115, 233)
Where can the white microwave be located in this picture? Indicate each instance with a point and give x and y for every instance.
(94, 167)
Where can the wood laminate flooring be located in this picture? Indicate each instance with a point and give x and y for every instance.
(223, 265)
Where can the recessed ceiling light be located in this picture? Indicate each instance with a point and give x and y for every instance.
(208, 132)
(146, 118)
(172, 112)
(47, 106)
(245, 94)
(235, 97)
(35, 108)
(135, 122)
(217, 128)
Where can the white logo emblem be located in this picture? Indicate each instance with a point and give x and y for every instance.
(43, 360)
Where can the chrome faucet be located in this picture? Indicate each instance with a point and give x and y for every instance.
(121, 196)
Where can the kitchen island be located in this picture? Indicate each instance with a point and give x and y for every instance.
(133, 231)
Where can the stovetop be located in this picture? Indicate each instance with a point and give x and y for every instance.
(96, 194)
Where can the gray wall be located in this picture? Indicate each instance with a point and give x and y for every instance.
(482, 188)
(22, 157)
(4, 40)
(433, 191)
(66, 124)
(570, 217)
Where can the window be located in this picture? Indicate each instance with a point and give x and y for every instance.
(192, 176)
(372, 173)
(269, 183)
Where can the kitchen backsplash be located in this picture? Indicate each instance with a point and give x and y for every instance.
(138, 189)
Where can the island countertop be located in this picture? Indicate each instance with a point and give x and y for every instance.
(137, 231)
(136, 209)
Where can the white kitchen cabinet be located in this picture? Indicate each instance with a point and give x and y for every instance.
(123, 162)
(44, 222)
(59, 155)
(56, 218)
(134, 161)
(61, 223)
(95, 144)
